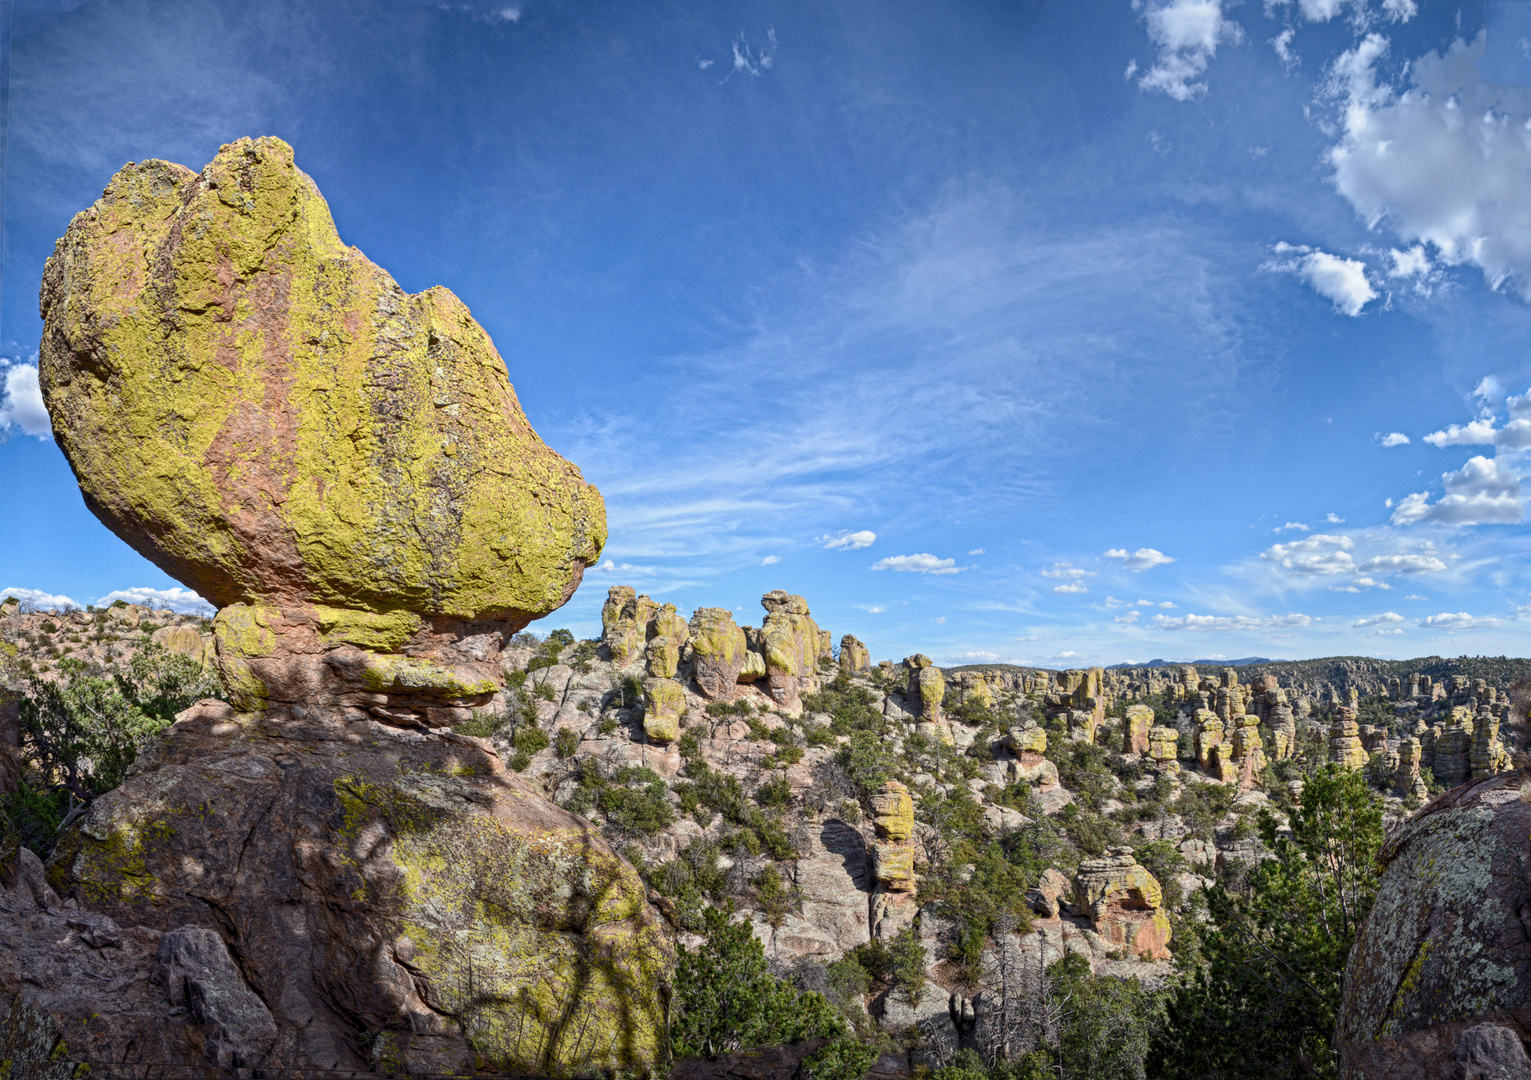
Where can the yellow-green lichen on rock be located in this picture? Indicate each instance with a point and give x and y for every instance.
(535, 944)
(263, 413)
(664, 704)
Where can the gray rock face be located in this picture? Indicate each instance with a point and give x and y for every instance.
(194, 966)
(1446, 950)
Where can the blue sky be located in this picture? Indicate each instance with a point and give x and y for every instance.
(1056, 333)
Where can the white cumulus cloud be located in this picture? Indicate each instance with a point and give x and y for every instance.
(1130, 617)
(1457, 620)
(770, 560)
(1291, 526)
(1319, 554)
(1071, 587)
(1407, 563)
(1187, 34)
(1442, 162)
(848, 541)
(21, 402)
(1481, 492)
(1341, 281)
(924, 563)
(38, 598)
(1142, 559)
(1396, 438)
(176, 599)
(1385, 619)
(1515, 435)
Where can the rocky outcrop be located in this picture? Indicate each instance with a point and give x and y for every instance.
(1407, 780)
(718, 649)
(1445, 952)
(1125, 903)
(790, 640)
(1164, 747)
(664, 705)
(892, 860)
(344, 469)
(855, 660)
(1135, 724)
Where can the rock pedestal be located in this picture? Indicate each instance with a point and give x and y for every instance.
(1345, 747)
(1406, 777)
(344, 469)
(1453, 748)
(1209, 734)
(854, 658)
(892, 860)
(1488, 754)
(790, 640)
(1164, 747)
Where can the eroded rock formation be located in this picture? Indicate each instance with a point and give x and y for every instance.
(344, 469)
(1125, 903)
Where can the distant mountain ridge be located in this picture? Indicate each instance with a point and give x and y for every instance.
(1199, 663)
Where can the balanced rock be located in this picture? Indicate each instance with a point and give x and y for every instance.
(341, 467)
(718, 649)
(344, 469)
(892, 853)
(927, 687)
(1125, 902)
(662, 657)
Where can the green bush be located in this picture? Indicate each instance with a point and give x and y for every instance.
(566, 745)
(775, 792)
(899, 963)
(634, 801)
(850, 708)
(84, 732)
(1264, 1002)
(725, 999)
(868, 762)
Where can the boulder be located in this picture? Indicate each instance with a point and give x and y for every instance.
(718, 650)
(666, 622)
(380, 880)
(1439, 979)
(341, 467)
(927, 686)
(1026, 740)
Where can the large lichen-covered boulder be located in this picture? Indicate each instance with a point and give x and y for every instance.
(718, 650)
(383, 883)
(340, 466)
(1447, 947)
